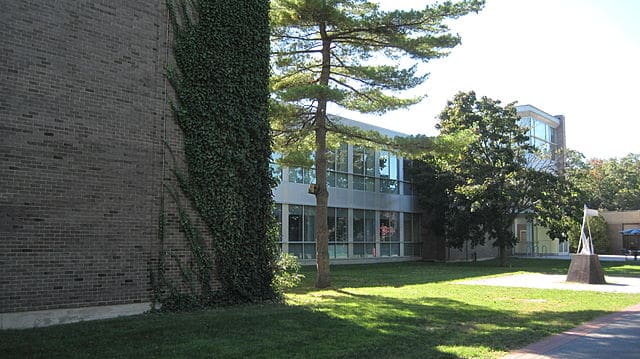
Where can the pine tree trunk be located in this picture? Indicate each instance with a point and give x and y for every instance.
(322, 201)
(323, 279)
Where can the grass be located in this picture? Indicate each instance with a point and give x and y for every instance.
(400, 310)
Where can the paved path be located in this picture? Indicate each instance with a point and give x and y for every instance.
(615, 336)
(557, 281)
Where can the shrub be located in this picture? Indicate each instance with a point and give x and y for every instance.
(287, 274)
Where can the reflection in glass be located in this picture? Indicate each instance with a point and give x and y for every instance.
(370, 162)
(296, 175)
(295, 249)
(295, 223)
(338, 167)
(358, 183)
(276, 170)
(342, 158)
(309, 251)
(358, 160)
(342, 224)
(277, 215)
(309, 224)
(342, 180)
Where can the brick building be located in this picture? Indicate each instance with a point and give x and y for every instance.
(618, 221)
(83, 118)
(83, 125)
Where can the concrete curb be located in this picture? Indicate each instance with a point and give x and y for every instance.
(44, 318)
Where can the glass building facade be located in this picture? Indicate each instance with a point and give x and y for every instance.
(372, 212)
(547, 134)
(541, 134)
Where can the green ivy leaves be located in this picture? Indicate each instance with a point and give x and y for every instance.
(220, 79)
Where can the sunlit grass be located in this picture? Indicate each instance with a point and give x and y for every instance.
(401, 310)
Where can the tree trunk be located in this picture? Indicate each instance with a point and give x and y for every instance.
(503, 255)
(433, 244)
(322, 200)
(323, 279)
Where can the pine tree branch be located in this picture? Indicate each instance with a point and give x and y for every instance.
(353, 89)
(295, 52)
(296, 71)
(369, 83)
(386, 28)
(302, 37)
(358, 136)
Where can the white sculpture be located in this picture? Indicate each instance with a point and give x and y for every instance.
(586, 242)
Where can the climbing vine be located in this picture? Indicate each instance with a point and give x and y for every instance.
(220, 80)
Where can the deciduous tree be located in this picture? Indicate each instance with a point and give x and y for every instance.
(499, 177)
(612, 184)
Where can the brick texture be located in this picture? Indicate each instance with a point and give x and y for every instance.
(83, 122)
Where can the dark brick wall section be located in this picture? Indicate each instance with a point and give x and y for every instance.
(82, 101)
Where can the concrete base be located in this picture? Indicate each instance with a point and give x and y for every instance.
(585, 268)
(44, 318)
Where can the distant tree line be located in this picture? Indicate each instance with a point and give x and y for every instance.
(611, 184)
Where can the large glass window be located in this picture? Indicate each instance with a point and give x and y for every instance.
(389, 239)
(541, 145)
(302, 231)
(364, 183)
(363, 168)
(540, 130)
(541, 134)
(295, 230)
(364, 233)
(276, 170)
(388, 171)
(412, 238)
(338, 167)
(526, 123)
(277, 215)
(338, 220)
(407, 177)
(309, 224)
(302, 175)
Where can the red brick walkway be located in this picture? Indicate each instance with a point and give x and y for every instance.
(538, 350)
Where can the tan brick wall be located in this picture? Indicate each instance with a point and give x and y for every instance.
(618, 221)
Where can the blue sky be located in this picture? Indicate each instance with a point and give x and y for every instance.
(578, 58)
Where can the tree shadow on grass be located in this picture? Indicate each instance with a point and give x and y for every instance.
(561, 266)
(442, 327)
(342, 325)
(411, 273)
(399, 274)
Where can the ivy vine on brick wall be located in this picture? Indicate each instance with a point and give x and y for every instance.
(220, 79)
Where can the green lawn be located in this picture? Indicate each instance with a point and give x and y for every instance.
(403, 310)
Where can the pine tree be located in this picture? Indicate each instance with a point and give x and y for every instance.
(346, 52)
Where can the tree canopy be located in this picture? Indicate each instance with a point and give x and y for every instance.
(612, 184)
(477, 196)
(346, 52)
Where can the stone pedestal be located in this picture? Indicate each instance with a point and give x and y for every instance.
(585, 268)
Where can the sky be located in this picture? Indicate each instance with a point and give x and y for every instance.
(577, 58)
